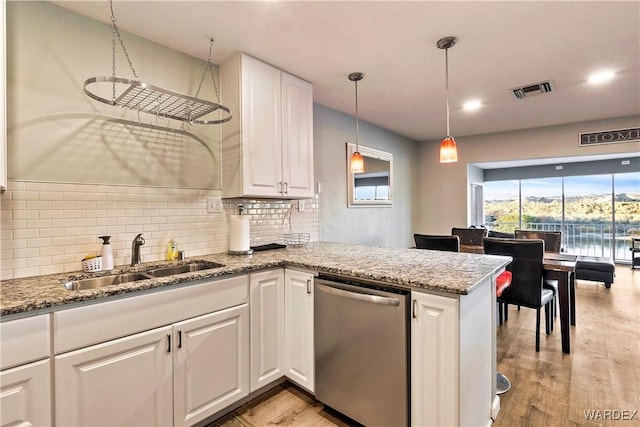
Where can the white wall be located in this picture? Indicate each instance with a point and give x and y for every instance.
(381, 226)
(57, 133)
(444, 205)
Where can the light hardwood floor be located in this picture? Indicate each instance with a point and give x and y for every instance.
(549, 388)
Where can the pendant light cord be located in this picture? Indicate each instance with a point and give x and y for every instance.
(446, 70)
(357, 131)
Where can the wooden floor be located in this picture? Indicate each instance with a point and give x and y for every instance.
(549, 388)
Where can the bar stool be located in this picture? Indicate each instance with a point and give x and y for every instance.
(503, 281)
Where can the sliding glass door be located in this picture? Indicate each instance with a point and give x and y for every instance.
(626, 205)
(597, 214)
(588, 226)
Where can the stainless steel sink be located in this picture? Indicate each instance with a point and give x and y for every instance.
(99, 282)
(184, 268)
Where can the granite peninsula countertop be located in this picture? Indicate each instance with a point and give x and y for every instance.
(417, 269)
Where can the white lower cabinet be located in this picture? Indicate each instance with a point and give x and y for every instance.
(25, 377)
(434, 362)
(298, 330)
(124, 382)
(174, 375)
(211, 363)
(452, 358)
(191, 363)
(266, 299)
(25, 396)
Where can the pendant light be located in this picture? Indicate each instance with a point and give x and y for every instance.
(357, 162)
(448, 149)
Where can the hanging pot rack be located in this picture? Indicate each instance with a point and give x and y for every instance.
(140, 96)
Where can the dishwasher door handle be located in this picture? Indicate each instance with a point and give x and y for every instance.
(375, 299)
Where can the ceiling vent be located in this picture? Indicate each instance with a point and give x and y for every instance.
(533, 89)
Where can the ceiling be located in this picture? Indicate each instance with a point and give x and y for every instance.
(501, 45)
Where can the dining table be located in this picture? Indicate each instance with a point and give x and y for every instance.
(561, 267)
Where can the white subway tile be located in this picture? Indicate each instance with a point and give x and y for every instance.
(38, 261)
(25, 253)
(26, 272)
(51, 214)
(25, 233)
(38, 186)
(24, 195)
(51, 269)
(62, 204)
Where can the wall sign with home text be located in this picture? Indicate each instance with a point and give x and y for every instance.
(610, 136)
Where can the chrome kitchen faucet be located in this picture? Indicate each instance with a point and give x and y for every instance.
(136, 258)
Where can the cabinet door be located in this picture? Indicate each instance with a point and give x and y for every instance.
(434, 360)
(267, 327)
(297, 136)
(261, 128)
(298, 330)
(124, 382)
(211, 363)
(25, 395)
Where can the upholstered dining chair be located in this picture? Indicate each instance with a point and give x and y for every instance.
(552, 239)
(552, 243)
(527, 278)
(437, 242)
(470, 236)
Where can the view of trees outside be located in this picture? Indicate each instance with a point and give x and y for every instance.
(584, 208)
(542, 201)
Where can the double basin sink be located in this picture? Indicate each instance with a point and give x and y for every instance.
(118, 279)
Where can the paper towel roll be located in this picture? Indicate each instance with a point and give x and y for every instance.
(238, 233)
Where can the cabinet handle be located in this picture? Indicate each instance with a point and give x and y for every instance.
(168, 343)
(179, 339)
(414, 309)
(286, 188)
(308, 286)
(280, 187)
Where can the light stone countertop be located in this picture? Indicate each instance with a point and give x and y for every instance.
(416, 269)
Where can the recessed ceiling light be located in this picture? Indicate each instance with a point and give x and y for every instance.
(601, 77)
(472, 105)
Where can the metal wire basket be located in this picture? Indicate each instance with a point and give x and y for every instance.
(290, 238)
(296, 239)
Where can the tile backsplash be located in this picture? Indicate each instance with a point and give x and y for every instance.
(48, 227)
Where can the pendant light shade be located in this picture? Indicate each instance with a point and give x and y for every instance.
(448, 148)
(356, 164)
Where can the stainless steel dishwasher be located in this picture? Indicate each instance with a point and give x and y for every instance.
(362, 350)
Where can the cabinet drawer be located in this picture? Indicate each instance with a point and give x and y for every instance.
(92, 324)
(24, 340)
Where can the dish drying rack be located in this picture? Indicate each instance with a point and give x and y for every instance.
(290, 238)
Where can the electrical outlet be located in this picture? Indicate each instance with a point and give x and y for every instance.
(300, 205)
(214, 206)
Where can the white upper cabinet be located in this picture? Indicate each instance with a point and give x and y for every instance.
(267, 148)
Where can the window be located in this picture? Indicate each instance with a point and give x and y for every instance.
(597, 214)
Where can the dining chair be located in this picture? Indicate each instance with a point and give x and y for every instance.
(437, 242)
(527, 278)
(501, 234)
(552, 239)
(552, 243)
(470, 236)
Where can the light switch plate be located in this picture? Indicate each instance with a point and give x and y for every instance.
(214, 206)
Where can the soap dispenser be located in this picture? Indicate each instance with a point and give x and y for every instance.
(106, 253)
